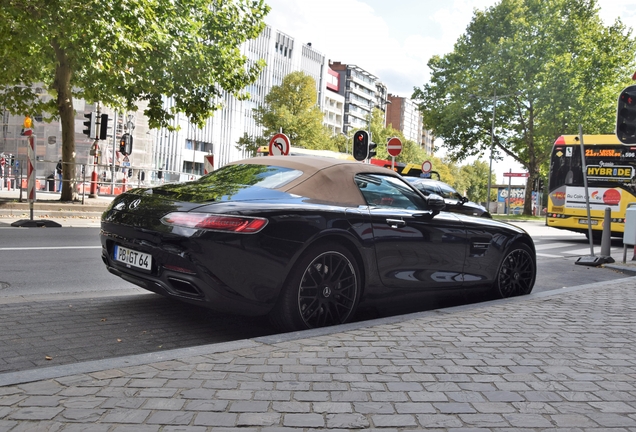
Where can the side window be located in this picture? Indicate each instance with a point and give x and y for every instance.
(388, 192)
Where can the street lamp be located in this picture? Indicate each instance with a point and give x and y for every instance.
(494, 98)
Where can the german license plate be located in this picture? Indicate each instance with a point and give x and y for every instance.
(584, 221)
(132, 258)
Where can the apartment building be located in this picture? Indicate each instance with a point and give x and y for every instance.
(362, 91)
(333, 103)
(402, 114)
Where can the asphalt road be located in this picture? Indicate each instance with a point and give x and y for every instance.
(59, 304)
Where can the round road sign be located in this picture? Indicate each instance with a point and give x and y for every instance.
(394, 146)
(427, 166)
(279, 145)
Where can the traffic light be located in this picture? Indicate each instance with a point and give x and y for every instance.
(360, 145)
(89, 125)
(103, 126)
(626, 116)
(125, 144)
(372, 149)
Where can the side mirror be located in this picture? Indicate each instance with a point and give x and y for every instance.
(435, 202)
(464, 200)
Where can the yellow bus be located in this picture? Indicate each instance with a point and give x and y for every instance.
(610, 168)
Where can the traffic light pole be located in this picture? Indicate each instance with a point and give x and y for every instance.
(112, 167)
(93, 190)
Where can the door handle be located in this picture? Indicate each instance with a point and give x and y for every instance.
(395, 223)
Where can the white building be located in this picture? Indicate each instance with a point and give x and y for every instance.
(182, 154)
(184, 151)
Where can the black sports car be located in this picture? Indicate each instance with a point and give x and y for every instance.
(306, 240)
(455, 202)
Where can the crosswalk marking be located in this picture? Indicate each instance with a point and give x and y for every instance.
(551, 246)
(614, 251)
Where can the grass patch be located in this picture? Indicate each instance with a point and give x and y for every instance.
(517, 217)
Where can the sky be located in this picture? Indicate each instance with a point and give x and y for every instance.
(394, 40)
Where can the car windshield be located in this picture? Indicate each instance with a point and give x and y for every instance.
(233, 182)
(264, 176)
(449, 192)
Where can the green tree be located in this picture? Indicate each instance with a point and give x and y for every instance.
(120, 53)
(475, 178)
(555, 61)
(292, 107)
(380, 134)
(249, 144)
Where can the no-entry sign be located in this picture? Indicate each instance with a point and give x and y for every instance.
(394, 146)
(427, 166)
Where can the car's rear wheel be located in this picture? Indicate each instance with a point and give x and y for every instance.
(517, 272)
(322, 290)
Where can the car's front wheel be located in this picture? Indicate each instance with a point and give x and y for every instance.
(322, 290)
(517, 272)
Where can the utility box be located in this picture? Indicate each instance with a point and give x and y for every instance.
(629, 237)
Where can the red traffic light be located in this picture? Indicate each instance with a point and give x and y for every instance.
(626, 116)
(361, 145)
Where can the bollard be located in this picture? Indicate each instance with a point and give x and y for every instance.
(606, 239)
(93, 189)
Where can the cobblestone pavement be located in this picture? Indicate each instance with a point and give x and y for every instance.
(563, 360)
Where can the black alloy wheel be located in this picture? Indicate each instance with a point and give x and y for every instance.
(323, 290)
(517, 272)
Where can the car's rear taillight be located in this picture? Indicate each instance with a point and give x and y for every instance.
(215, 222)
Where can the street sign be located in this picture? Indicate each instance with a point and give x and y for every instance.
(394, 146)
(208, 164)
(279, 145)
(427, 166)
(511, 174)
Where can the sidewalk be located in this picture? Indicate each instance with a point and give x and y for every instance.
(49, 207)
(561, 360)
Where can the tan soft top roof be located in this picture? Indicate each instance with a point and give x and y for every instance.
(323, 178)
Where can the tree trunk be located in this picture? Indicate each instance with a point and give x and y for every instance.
(527, 202)
(62, 85)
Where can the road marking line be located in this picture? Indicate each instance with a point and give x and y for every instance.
(549, 256)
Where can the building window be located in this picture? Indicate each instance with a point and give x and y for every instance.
(198, 145)
(187, 168)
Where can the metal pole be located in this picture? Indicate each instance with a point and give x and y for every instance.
(21, 167)
(83, 182)
(509, 184)
(492, 145)
(31, 172)
(587, 195)
(112, 168)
